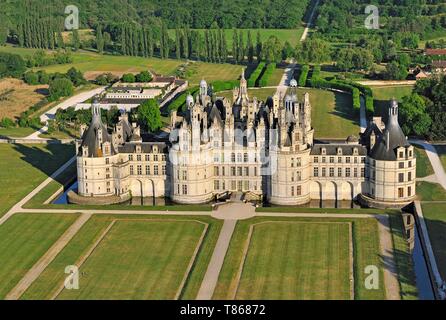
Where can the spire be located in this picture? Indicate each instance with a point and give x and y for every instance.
(96, 110)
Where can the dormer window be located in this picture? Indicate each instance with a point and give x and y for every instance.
(355, 151)
(339, 151)
(138, 150)
(324, 151)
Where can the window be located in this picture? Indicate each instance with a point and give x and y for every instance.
(184, 175)
(239, 157)
(409, 176)
(298, 162)
(400, 192)
(324, 173)
(299, 175)
(131, 170)
(147, 157)
(331, 159)
(316, 172)
(130, 157)
(107, 161)
(255, 171)
(347, 172)
(355, 172)
(339, 159)
(315, 159)
(362, 172)
(355, 159)
(410, 164)
(339, 172)
(239, 171)
(233, 157)
(148, 170)
(138, 157)
(184, 189)
(347, 159)
(298, 190)
(247, 171)
(400, 177)
(163, 170)
(246, 185)
(233, 171)
(139, 169)
(216, 185)
(233, 185)
(292, 162)
(401, 165)
(401, 154)
(216, 171)
(245, 157)
(155, 170)
(323, 159)
(292, 191)
(240, 186)
(409, 191)
(155, 157)
(223, 173)
(331, 172)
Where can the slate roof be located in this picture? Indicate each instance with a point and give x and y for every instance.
(332, 149)
(90, 137)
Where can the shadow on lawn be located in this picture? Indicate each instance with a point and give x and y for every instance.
(344, 109)
(48, 158)
(437, 235)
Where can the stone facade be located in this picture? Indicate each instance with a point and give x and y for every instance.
(263, 150)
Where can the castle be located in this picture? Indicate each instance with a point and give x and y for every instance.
(263, 151)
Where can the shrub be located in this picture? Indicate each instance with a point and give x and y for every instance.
(224, 85)
(60, 87)
(144, 76)
(180, 101)
(7, 123)
(316, 72)
(31, 78)
(129, 78)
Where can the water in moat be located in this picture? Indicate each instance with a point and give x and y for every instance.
(425, 289)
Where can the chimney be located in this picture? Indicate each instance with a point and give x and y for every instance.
(388, 141)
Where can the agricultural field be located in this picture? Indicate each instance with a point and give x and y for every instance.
(24, 238)
(292, 261)
(24, 167)
(291, 35)
(16, 97)
(424, 167)
(134, 257)
(435, 217)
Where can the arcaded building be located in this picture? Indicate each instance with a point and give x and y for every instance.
(253, 149)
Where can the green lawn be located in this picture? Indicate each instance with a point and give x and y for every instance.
(16, 132)
(141, 257)
(435, 216)
(332, 114)
(427, 191)
(296, 261)
(424, 167)
(310, 248)
(261, 93)
(441, 150)
(24, 167)
(383, 95)
(274, 79)
(210, 72)
(24, 238)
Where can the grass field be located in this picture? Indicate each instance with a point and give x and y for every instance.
(318, 264)
(383, 95)
(427, 191)
(424, 167)
(141, 257)
(435, 215)
(441, 150)
(24, 167)
(16, 132)
(17, 96)
(291, 35)
(324, 244)
(23, 240)
(274, 79)
(212, 72)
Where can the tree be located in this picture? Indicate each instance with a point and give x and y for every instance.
(395, 71)
(144, 76)
(258, 47)
(272, 50)
(149, 115)
(413, 116)
(250, 48)
(235, 46)
(314, 50)
(76, 77)
(60, 42)
(99, 40)
(287, 51)
(129, 78)
(60, 87)
(76, 41)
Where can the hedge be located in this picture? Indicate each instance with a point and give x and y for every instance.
(263, 82)
(180, 101)
(316, 72)
(304, 75)
(252, 81)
